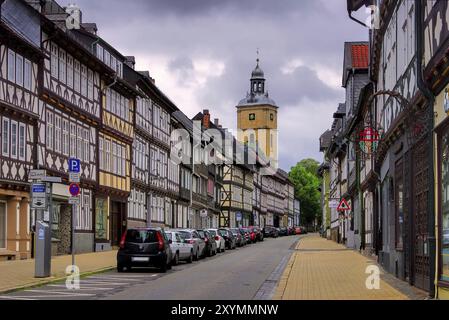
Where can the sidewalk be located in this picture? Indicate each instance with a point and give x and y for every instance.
(18, 274)
(321, 269)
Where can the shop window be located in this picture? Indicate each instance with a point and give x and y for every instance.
(444, 203)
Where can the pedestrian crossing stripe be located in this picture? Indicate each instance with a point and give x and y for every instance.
(343, 206)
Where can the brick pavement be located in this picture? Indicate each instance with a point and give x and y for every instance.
(18, 274)
(321, 269)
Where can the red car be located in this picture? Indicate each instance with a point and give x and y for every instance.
(298, 230)
(252, 234)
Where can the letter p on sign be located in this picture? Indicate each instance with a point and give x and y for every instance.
(373, 280)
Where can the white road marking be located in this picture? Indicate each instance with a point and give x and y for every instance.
(37, 297)
(113, 278)
(60, 292)
(15, 298)
(81, 287)
(103, 282)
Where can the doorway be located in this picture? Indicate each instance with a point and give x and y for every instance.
(117, 218)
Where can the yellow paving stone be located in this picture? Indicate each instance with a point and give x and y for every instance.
(20, 273)
(321, 269)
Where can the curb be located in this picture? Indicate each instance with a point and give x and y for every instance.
(53, 280)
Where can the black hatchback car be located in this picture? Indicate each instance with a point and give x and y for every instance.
(144, 247)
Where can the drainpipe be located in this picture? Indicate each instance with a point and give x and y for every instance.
(419, 18)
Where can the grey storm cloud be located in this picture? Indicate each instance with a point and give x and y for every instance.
(229, 32)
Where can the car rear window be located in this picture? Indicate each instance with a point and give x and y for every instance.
(201, 233)
(141, 236)
(169, 235)
(185, 234)
(223, 232)
(212, 232)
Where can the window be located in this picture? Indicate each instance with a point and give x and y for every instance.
(54, 61)
(28, 75)
(252, 116)
(22, 140)
(271, 116)
(73, 140)
(65, 137)
(5, 137)
(107, 165)
(14, 139)
(70, 71)
(86, 145)
(62, 66)
(2, 224)
(90, 84)
(101, 156)
(119, 160)
(11, 66)
(79, 143)
(83, 80)
(57, 133)
(50, 130)
(77, 76)
(19, 70)
(399, 204)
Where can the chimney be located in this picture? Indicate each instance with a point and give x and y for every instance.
(216, 122)
(90, 27)
(130, 61)
(206, 119)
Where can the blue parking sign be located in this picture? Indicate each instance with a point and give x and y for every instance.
(74, 165)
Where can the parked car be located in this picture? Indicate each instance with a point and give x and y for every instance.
(259, 234)
(303, 230)
(211, 245)
(246, 235)
(219, 240)
(229, 238)
(291, 231)
(240, 240)
(181, 250)
(283, 231)
(298, 230)
(144, 247)
(252, 235)
(192, 237)
(271, 232)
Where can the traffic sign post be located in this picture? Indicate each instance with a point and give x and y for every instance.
(74, 189)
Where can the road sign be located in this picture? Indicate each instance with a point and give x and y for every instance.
(38, 202)
(343, 206)
(238, 216)
(52, 179)
(74, 177)
(74, 200)
(37, 174)
(38, 188)
(74, 165)
(333, 204)
(74, 189)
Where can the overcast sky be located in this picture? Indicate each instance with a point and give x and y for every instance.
(201, 54)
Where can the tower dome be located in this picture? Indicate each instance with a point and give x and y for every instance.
(257, 72)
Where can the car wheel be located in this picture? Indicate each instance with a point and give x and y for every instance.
(120, 268)
(163, 267)
(169, 265)
(196, 257)
(176, 259)
(190, 260)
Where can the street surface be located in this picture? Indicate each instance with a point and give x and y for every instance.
(243, 273)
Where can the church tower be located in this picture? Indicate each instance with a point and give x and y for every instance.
(257, 117)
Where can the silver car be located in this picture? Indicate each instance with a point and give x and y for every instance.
(192, 237)
(182, 251)
(221, 244)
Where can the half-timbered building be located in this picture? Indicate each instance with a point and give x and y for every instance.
(20, 109)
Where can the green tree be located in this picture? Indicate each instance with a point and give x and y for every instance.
(305, 178)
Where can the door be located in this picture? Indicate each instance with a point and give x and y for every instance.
(420, 201)
(116, 223)
(2, 225)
